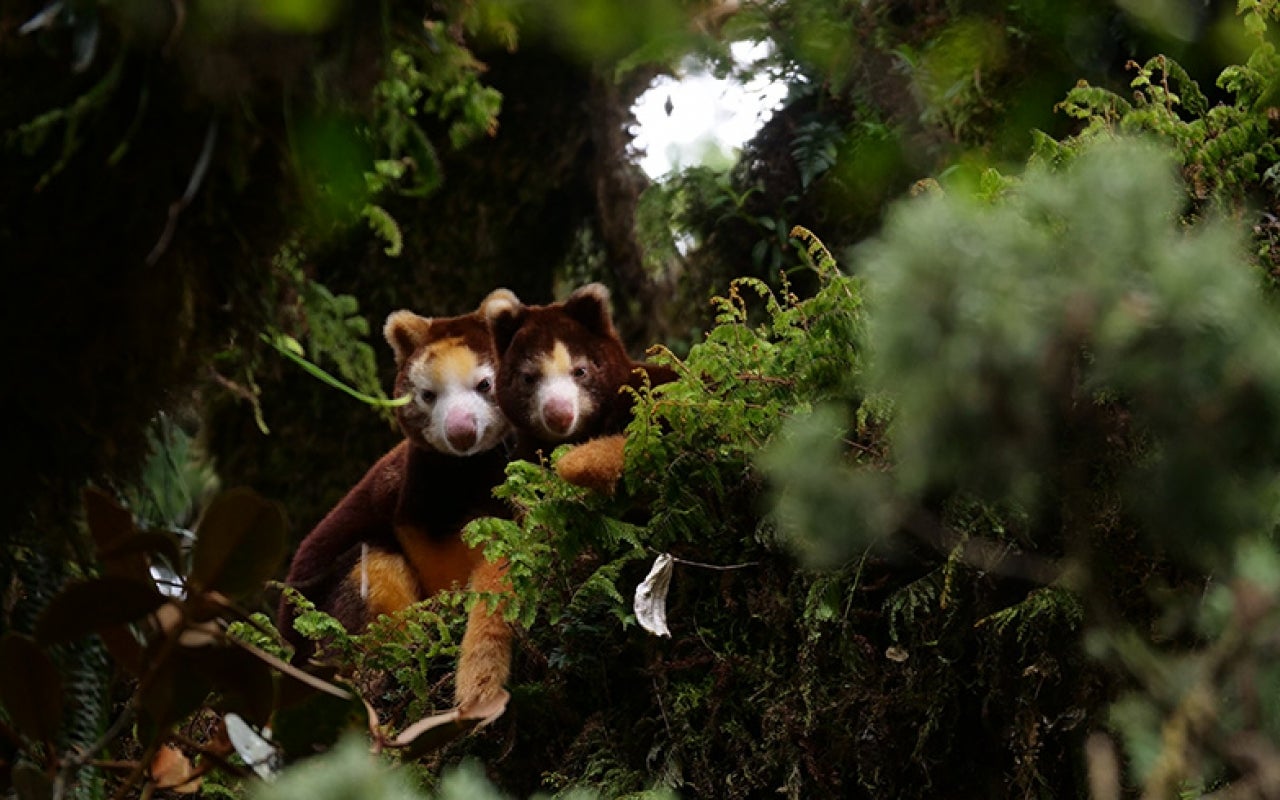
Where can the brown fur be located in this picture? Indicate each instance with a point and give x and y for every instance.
(396, 536)
(595, 464)
(529, 338)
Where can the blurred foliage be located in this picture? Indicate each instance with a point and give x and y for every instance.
(1098, 383)
(1004, 297)
(177, 478)
(348, 772)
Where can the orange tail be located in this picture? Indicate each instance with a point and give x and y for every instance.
(485, 662)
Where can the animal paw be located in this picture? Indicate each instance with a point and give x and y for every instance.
(595, 465)
(480, 695)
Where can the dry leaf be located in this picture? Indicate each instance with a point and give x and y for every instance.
(895, 653)
(256, 750)
(436, 731)
(651, 596)
(171, 769)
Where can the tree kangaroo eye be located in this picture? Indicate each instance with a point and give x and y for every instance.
(579, 372)
(529, 378)
(427, 396)
(484, 386)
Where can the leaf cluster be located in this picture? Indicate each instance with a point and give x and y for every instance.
(1226, 149)
(174, 647)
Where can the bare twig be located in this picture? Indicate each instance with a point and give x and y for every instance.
(193, 185)
(73, 762)
(720, 567)
(113, 764)
(233, 387)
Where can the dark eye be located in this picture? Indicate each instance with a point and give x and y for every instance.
(529, 378)
(579, 372)
(427, 396)
(484, 386)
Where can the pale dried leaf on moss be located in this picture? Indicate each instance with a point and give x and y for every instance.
(651, 596)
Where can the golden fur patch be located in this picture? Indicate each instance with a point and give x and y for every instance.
(386, 581)
(557, 362)
(441, 563)
(445, 361)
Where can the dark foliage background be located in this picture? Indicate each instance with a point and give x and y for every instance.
(188, 189)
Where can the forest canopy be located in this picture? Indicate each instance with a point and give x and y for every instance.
(965, 484)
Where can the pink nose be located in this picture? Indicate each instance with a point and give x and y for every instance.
(557, 413)
(460, 429)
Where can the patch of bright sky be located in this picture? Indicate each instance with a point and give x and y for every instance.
(709, 117)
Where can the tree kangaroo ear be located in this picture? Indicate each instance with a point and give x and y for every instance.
(589, 305)
(499, 300)
(405, 331)
(504, 322)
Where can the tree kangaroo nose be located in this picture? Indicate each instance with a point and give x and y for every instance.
(558, 414)
(460, 429)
